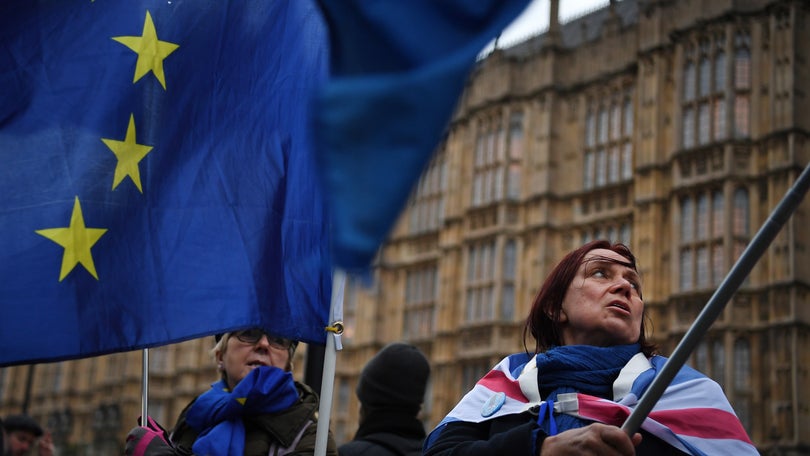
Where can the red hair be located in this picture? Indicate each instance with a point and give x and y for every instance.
(543, 321)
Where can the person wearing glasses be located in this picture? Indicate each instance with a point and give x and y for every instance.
(256, 408)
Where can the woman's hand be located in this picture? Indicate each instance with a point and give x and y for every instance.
(596, 439)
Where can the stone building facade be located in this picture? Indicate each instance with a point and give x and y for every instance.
(673, 126)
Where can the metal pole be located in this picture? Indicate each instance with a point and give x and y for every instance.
(328, 378)
(718, 301)
(145, 388)
(29, 381)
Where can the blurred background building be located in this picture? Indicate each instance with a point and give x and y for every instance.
(672, 126)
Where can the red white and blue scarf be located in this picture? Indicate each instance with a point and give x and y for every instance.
(692, 415)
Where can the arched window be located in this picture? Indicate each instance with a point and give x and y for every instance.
(702, 357)
(742, 84)
(718, 221)
(689, 81)
(704, 123)
(608, 152)
(624, 234)
(740, 221)
(688, 127)
(514, 165)
(603, 125)
(508, 281)
(687, 223)
(686, 283)
(615, 121)
(614, 159)
(742, 68)
(705, 77)
(628, 117)
(719, 362)
(718, 264)
(702, 217)
(427, 203)
(742, 365)
(702, 267)
(611, 234)
(742, 381)
(601, 167)
(719, 71)
(480, 299)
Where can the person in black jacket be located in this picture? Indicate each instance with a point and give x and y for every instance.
(255, 409)
(590, 364)
(24, 436)
(391, 390)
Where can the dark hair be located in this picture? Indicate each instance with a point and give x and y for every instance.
(543, 321)
(22, 422)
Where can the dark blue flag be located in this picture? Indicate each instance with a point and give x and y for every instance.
(156, 179)
(398, 70)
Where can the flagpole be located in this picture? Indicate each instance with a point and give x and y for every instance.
(328, 378)
(717, 302)
(145, 388)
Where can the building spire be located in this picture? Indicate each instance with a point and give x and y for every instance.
(554, 23)
(613, 22)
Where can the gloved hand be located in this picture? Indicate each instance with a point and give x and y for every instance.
(149, 440)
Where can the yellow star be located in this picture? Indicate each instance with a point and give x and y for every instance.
(129, 154)
(77, 240)
(151, 51)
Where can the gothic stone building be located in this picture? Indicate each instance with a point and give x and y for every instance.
(675, 126)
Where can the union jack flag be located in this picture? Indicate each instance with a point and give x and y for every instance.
(692, 415)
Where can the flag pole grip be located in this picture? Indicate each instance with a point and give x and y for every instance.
(717, 302)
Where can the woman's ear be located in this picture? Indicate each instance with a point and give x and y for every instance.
(220, 361)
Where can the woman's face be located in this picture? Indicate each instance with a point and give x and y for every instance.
(240, 355)
(602, 306)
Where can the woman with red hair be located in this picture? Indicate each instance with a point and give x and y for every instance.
(590, 364)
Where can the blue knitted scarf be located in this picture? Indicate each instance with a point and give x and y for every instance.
(217, 414)
(578, 369)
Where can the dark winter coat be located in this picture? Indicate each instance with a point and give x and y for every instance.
(291, 431)
(386, 433)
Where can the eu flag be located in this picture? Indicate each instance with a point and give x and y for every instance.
(398, 70)
(156, 175)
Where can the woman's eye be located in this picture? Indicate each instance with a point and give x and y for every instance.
(599, 273)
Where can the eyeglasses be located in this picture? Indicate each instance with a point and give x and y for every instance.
(253, 336)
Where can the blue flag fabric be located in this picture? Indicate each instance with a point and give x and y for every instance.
(398, 69)
(156, 174)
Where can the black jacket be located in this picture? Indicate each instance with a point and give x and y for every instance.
(291, 431)
(514, 435)
(386, 433)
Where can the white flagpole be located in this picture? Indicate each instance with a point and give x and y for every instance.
(719, 299)
(145, 388)
(332, 345)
